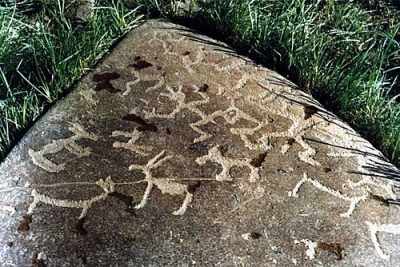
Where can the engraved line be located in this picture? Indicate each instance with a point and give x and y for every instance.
(386, 228)
(214, 155)
(165, 186)
(354, 201)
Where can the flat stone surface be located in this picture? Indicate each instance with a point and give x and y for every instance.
(175, 151)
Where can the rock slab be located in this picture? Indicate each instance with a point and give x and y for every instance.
(176, 151)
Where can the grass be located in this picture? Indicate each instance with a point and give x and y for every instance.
(43, 54)
(345, 53)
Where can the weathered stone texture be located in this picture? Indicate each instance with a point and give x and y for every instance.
(176, 151)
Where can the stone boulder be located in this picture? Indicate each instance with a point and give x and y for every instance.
(177, 151)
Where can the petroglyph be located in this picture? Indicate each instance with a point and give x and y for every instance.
(89, 95)
(189, 63)
(108, 186)
(184, 113)
(39, 159)
(131, 145)
(140, 77)
(368, 181)
(164, 185)
(363, 153)
(234, 64)
(386, 228)
(354, 201)
(193, 59)
(231, 115)
(244, 133)
(265, 97)
(214, 155)
(169, 41)
(296, 131)
(179, 98)
(385, 186)
(80, 132)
